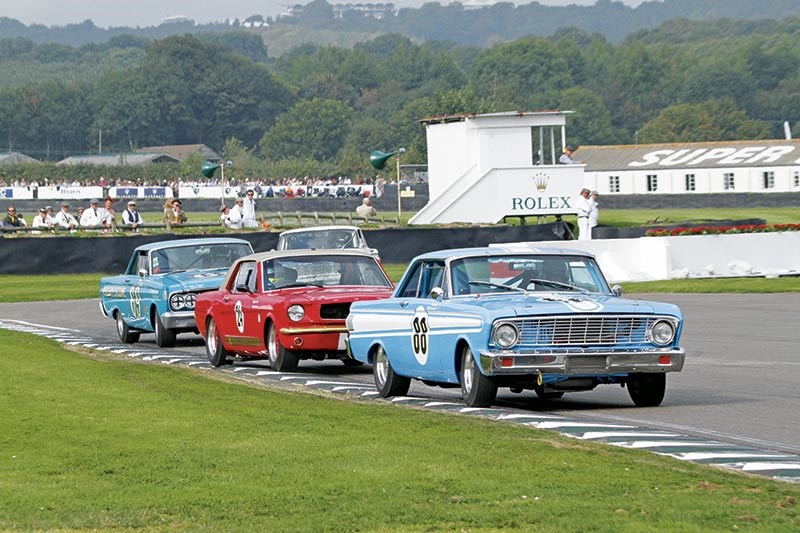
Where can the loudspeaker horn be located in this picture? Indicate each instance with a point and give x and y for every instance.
(378, 159)
(209, 168)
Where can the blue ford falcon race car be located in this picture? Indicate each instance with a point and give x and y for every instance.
(515, 316)
(158, 290)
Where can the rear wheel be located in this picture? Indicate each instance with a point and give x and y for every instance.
(165, 337)
(280, 359)
(387, 381)
(125, 334)
(647, 390)
(217, 354)
(476, 389)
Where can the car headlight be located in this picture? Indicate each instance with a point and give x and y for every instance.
(505, 335)
(662, 332)
(180, 301)
(296, 313)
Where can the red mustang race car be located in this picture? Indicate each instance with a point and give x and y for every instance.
(288, 305)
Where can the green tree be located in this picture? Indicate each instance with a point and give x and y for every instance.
(312, 128)
(714, 120)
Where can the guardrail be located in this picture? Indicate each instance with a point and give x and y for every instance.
(286, 220)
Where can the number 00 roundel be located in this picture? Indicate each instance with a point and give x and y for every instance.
(419, 335)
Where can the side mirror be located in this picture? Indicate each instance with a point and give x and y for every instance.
(243, 288)
(616, 290)
(436, 294)
(142, 273)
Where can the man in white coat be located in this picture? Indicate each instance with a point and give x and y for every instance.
(93, 217)
(595, 212)
(584, 208)
(249, 210)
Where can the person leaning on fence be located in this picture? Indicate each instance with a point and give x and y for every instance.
(584, 208)
(13, 219)
(64, 218)
(366, 209)
(43, 220)
(132, 217)
(92, 218)
(237, 213)
(175, 214)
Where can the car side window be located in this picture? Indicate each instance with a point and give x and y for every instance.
(245, 278)
(425, 276)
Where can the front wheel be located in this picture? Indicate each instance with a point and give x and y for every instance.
(217, 354)
(387, 381)
(280, 359)
(125, 334)
(476, 389)
(647, 390)
(165, 337)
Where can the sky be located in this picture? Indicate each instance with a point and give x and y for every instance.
(132, 13)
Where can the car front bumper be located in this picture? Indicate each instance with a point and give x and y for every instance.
(178, 320)
(581, 363)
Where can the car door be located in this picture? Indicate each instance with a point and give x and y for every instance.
(135, 309)
(415, 352)
(239, 324)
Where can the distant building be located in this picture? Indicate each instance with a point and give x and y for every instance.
(16, 158)
(758, 166)
(131, 159)
(181, 151)
(376, 11)
(177, 19)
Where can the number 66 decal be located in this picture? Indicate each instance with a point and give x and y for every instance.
(419, 336)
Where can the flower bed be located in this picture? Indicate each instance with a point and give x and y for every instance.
(721, 230)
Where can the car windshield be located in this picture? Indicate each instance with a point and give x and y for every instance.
(205, 257)
(330, 239)
(517, 273)
(323, 271)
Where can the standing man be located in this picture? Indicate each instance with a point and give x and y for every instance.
(132, 217)
(594, 213)
(366, 209)
(584, 209)
(236, 214)
(566, 157)
(249, 210)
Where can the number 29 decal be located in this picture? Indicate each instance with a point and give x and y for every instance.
(419, 336)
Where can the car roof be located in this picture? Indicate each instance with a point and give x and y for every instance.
(317, 228)
(261, 256)
(176, 243)
(496, 250)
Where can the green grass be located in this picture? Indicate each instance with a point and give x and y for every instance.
(106, 444)
(24, 288)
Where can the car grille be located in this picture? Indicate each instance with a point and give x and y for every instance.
(334, 311)
(577, 330)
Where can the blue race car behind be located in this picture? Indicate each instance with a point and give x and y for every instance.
(158, 290)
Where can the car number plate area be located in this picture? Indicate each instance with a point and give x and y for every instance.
(587, 363)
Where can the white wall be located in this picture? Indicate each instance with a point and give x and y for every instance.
(660, 258)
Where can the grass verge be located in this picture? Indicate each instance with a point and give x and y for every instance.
(106, 444)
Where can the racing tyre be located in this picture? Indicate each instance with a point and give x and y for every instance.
(165, 337)
(387, 381)
(647, 390)
(125, 334)
(280, 359)
(476, 389)
(217, 354)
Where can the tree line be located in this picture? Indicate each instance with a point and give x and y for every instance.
(320, 110)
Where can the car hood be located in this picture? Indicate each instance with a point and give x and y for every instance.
(565, 302)
(195, 280)
(335, 294)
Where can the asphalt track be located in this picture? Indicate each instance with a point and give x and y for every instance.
(736, 403)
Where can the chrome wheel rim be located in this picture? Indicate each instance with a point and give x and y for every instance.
(272, 345)
(381, 366)
(211, 342)
(469, 368)
(120, 325)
